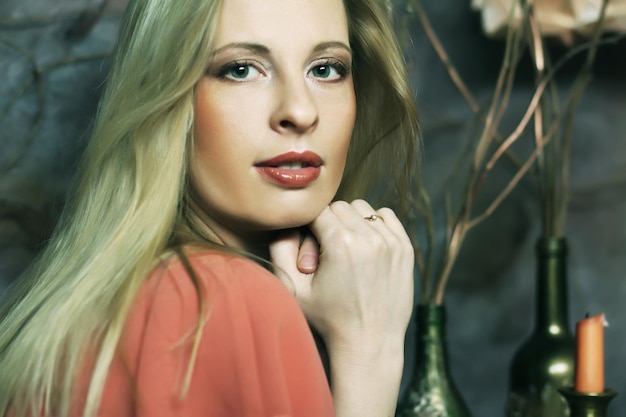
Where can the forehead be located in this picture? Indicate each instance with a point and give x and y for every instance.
(282, 21)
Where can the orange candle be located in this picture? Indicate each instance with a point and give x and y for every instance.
(590, 354)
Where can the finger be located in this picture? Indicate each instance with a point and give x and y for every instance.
(386, 218)
(352, 215)
(394, 224)
(284, 254)
(325, 224)
(367, 212)
(308, 255)
(374, 220)
(391, 229)
(339, 217)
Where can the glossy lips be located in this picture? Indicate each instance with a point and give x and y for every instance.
(291, 169)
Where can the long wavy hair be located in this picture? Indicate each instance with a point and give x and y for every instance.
(129, 206)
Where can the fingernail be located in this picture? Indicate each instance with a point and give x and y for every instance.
(307, 261)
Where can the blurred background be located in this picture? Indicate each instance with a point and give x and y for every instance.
(53, 62)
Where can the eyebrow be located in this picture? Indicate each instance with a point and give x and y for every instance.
(330, 45)
(264, 50)
(255, 47)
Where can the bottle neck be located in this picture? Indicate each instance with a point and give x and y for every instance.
(551, 301)
(433, 391)
(431, 338)
(431, 319)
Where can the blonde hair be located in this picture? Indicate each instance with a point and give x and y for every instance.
(129, 206)
(383, 156)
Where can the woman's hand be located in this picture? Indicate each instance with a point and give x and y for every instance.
(359, 299)
(363, 285)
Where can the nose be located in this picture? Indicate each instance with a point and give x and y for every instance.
(296, 110)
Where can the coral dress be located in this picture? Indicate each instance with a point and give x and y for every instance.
(257, 356)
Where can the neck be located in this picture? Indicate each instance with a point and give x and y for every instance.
(255, 242)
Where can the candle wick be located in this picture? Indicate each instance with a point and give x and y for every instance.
(586, 315)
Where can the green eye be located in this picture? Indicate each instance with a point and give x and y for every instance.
(328, 70)
(239, 71)
(322, 71)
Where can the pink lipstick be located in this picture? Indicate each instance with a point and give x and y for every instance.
(291, 169)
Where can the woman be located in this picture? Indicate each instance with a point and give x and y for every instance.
(226, 129)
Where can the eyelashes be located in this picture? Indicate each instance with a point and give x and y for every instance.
(324, 70)
(238, 70)
(330, 68)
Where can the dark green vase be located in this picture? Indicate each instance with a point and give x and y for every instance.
(432, 392)
(545, 361)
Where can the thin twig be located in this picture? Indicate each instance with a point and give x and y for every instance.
(430, 239)
(418, 251)
(540, 68)
(459, 222)
(453, 250)
(507, 190)
(580, 84)
(505, 145)
(514, 181)
(451, 69)
(510, 78)
(484, 141)
(443, 56)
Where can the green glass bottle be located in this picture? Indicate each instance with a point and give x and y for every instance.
(545, 361)
(432, 392)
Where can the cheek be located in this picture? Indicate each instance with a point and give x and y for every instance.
(208, 140)
(213, 134)
(204, 130)
(224, 122)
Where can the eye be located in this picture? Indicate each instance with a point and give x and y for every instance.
(239, 71)
(329, 71)
(322, 71)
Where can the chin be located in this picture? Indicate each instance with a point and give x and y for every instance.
(294, 222)
(288, 219)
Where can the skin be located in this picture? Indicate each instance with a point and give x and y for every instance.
(266, 94)
(352, 278)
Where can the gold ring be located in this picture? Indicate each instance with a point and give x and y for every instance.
(373, 218)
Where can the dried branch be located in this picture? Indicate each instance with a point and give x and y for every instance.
(417, 249)
(514, 181)
(543, 108)
(430, 239)
(416, 7)
(580, 84)
(498, 103)
(443, 56)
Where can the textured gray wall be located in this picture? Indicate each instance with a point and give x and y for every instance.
(52, 63)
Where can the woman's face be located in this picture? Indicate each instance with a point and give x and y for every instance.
(273, 115)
